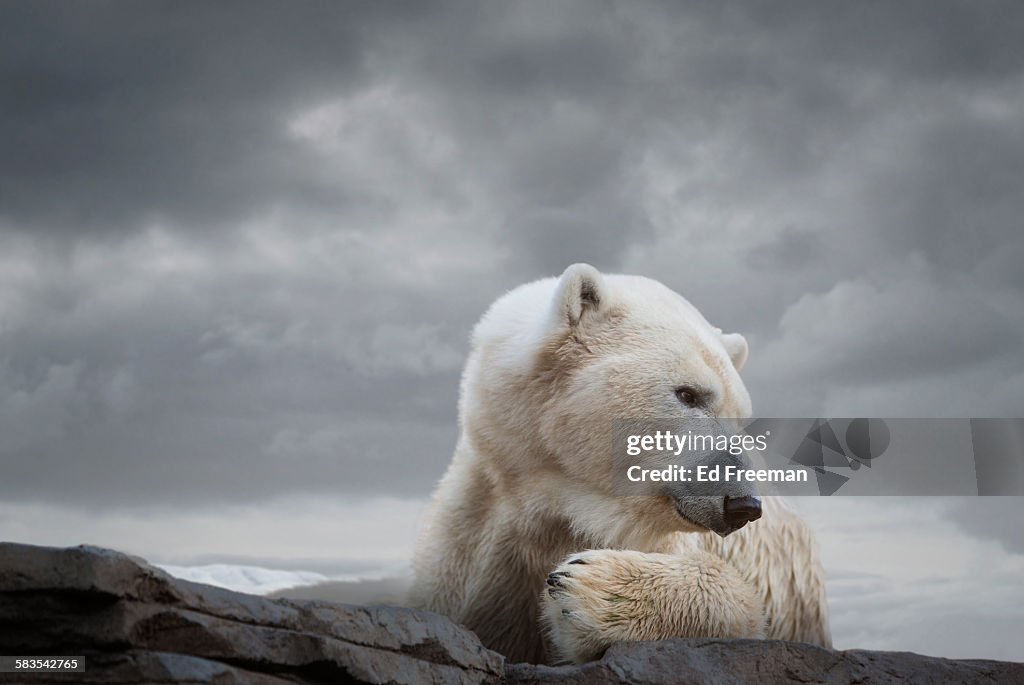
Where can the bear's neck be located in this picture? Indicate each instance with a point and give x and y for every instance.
(499, 548)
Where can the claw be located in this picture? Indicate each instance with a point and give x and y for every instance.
(553, 578)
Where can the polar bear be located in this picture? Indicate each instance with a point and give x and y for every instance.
(527, 543)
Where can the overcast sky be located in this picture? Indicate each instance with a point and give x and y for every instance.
(242, 246)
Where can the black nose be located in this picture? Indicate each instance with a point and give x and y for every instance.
(740, 511)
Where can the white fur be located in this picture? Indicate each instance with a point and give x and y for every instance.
(553, 363)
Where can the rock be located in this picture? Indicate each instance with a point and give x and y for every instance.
(140, 624)
(135, 624)
(764, 661)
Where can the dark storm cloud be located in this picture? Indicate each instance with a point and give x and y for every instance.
(231, 389)
(118, 110)
(242, 245)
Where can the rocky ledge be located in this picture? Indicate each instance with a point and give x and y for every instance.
(135, 624)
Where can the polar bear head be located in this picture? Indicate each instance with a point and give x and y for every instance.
(556, 362)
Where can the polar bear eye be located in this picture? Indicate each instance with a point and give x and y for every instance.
(690, 397)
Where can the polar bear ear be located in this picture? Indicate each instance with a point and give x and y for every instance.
(580, 290)
(736, 347)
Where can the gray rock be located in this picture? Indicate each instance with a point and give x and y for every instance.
(136, 624)
(101, 603)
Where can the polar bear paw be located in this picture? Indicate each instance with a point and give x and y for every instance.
(599, 597)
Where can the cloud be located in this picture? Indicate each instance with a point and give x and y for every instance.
(131, 112)
(904, 323)
(328, 535)
(282, 224)
(926, 584)
(242, 245)
(990, 518)
(34, 410)
(178, 374)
